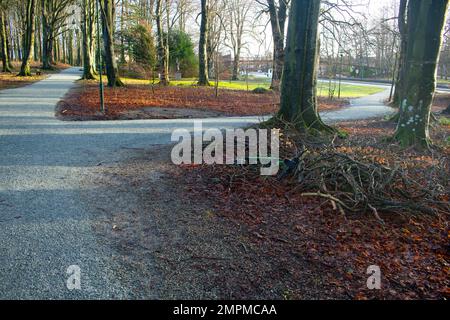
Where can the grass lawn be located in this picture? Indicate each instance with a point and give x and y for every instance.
(443, 81)
(444, 121)
(138, 100)
(347, 90)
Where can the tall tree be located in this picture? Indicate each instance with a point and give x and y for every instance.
(54, 17)
(402, 27)
(298, 86)
(215, 34)
(108, 14)
(3, 38)
(425, 27)
(278, 15)
(238, 14)
(203, 79)
(163, 41)
(28, 38)
(88, 30)
(9, 49)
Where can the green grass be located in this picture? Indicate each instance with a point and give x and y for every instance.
(443, 81)
(347, 90)
(444, 121)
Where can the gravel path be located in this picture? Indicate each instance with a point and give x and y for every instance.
(49, 198)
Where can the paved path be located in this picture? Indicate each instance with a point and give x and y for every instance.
(361, 108)
(45, 165)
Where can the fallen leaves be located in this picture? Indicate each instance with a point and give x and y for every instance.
(83, 101)
(412, 251)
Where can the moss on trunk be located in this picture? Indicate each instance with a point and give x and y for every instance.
(28, 39)
(425, 28)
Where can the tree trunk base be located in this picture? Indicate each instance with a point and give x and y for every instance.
(117, 83)
(48, 67)
(25, 72)
(315, 129)
(89, 75)
(394, 118)
(164, 83)
(204, 83)
(405, 139)
(275, 85)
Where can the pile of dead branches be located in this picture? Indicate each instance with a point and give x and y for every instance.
(358, 183)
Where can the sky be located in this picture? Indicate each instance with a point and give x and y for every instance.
(370, 8)
(262, 42)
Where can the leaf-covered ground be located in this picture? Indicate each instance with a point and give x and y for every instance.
(441, 101)
(225, 232)
(324, 88)
(11, 80)
(140, 101)
(411, 250)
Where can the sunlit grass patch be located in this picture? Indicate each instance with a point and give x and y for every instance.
(444, 121)
(347, 90)
(11, 80)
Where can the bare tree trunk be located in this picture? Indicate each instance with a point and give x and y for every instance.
(63, 42)
(37, 39)
(112, 73)
(4, 47)
(70, 47)
(298, 87)
(163, 46)
(28, 39)
(56, 53)
(238, 11)
(47, 45)
(425, 28)
(236, 63)
(47, 36)
(402, 26)
(278, 21)
(203, 79)
(87, 30)
(8, 43)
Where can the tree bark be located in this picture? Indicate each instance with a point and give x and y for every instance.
(163, 46)
(298, 86)
(203, 79)
(47, 40)
(447, 111)
(8, 43)
(47, 36)
(87, 29)
(70, 48)
(28, 39)
(236, 63)
(402, 26)
(107, 10)
(425, 29)
(37, 38)
(4, 47)
(277, 21)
